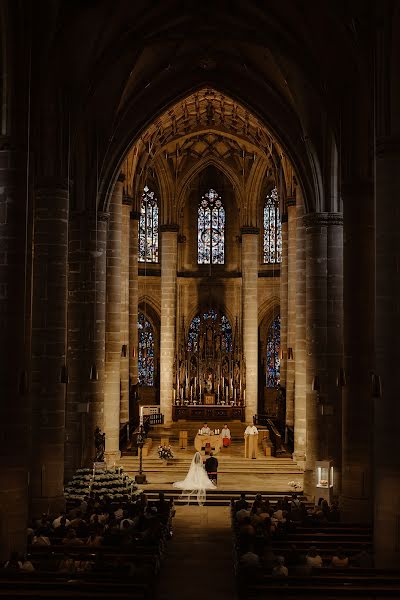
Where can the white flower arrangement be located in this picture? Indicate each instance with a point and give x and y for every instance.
(165, 452)
(113, 483)
(295, 485)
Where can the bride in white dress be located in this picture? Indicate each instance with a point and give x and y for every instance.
(196, 481)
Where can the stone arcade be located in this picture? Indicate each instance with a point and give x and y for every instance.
(143, 154)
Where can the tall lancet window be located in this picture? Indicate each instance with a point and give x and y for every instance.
(146, 351)
(148, 227)
(272, 229)
(273, 348)
(211, 230)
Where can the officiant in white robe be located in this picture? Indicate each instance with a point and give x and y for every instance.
(250, 441)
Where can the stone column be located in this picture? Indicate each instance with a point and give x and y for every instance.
(125, 249)
(333, 422)
(358, 300)
(49, 331)
(284, 301)
(113, 326)
(300, 426)
(78, 336)
(133, 297)
(169, 255)
(316, 340)
(387, 336)
(291, 304)
(15, 400)
(250, 316)
(96, 351)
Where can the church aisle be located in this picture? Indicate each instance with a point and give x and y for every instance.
(199, 561)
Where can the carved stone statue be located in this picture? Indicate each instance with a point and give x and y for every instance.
(100, 445)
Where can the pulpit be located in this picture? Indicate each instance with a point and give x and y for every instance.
(209, 398)
(250, 445)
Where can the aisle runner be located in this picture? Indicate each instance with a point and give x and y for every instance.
(199, 561)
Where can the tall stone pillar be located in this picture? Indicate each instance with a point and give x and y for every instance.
(387, 336)
(169, 255)
(359, 309)
(15, 400)
(133, 297)
(113, 325)
(316, 340)
(300, 424)
(284, 301)
(49, 340)
(94, 376)
(292, 308)
(250, 316)
(333, 422)
(125, 250)
(78, 335)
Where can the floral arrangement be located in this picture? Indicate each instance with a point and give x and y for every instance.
(296, 485)
(165, 452)
(113, 483)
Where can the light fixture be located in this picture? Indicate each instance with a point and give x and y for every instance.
(93, 374)
(290, 353)
(341, 378)
(316, 385)
(64, 376)
(376, 386)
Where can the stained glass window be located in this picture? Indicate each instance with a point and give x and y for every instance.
(146, 351)
(211, 230)
(272, 229)
(273, 348)
(148, 227)
(223, 330)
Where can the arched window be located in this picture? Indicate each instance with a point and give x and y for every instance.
(219, 327)
(211, 230)
(273, 348)
(146, 351)
(148, 227)
(272, 229)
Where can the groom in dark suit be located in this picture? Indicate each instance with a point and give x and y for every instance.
(211, 466)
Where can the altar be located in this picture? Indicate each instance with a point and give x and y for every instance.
(205, 413)
(215, 442)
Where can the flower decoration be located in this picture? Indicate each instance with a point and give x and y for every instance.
(165, 452)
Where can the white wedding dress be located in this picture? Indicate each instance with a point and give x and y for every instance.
(196, 481)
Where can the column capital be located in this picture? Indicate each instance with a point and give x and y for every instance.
(249, 230)
(324, 219)
(127, 200)
(50, 184)
(291, 201)
(103, 216)
(169, 227)
(134, 215)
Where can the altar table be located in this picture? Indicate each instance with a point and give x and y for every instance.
(215, 442)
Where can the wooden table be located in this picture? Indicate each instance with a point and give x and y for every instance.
(215, 442)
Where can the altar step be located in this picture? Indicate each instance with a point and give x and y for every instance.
(217, 497)
(260, 466)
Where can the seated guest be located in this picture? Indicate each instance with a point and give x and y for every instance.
(226, 436)
(13, 563)
(340, 560)
(241, 514)
(71, 539)
(26, 565)
(41, 538)
(205, 430)
(313, 558)
(59, 520)
(95, 539)
(363, 559)
(279, 570)
(242, 502)
(249, 558)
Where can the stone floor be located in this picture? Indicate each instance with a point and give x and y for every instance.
(199, 563)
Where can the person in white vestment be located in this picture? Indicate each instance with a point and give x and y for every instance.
(226, 436)
(205, 430)
(251, 441)
(196, 481)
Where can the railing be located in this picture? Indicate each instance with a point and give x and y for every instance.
(275, 436)
(261, 420)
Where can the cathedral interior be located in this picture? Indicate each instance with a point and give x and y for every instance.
(198, 213)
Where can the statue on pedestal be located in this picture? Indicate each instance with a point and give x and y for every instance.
(100, 445)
